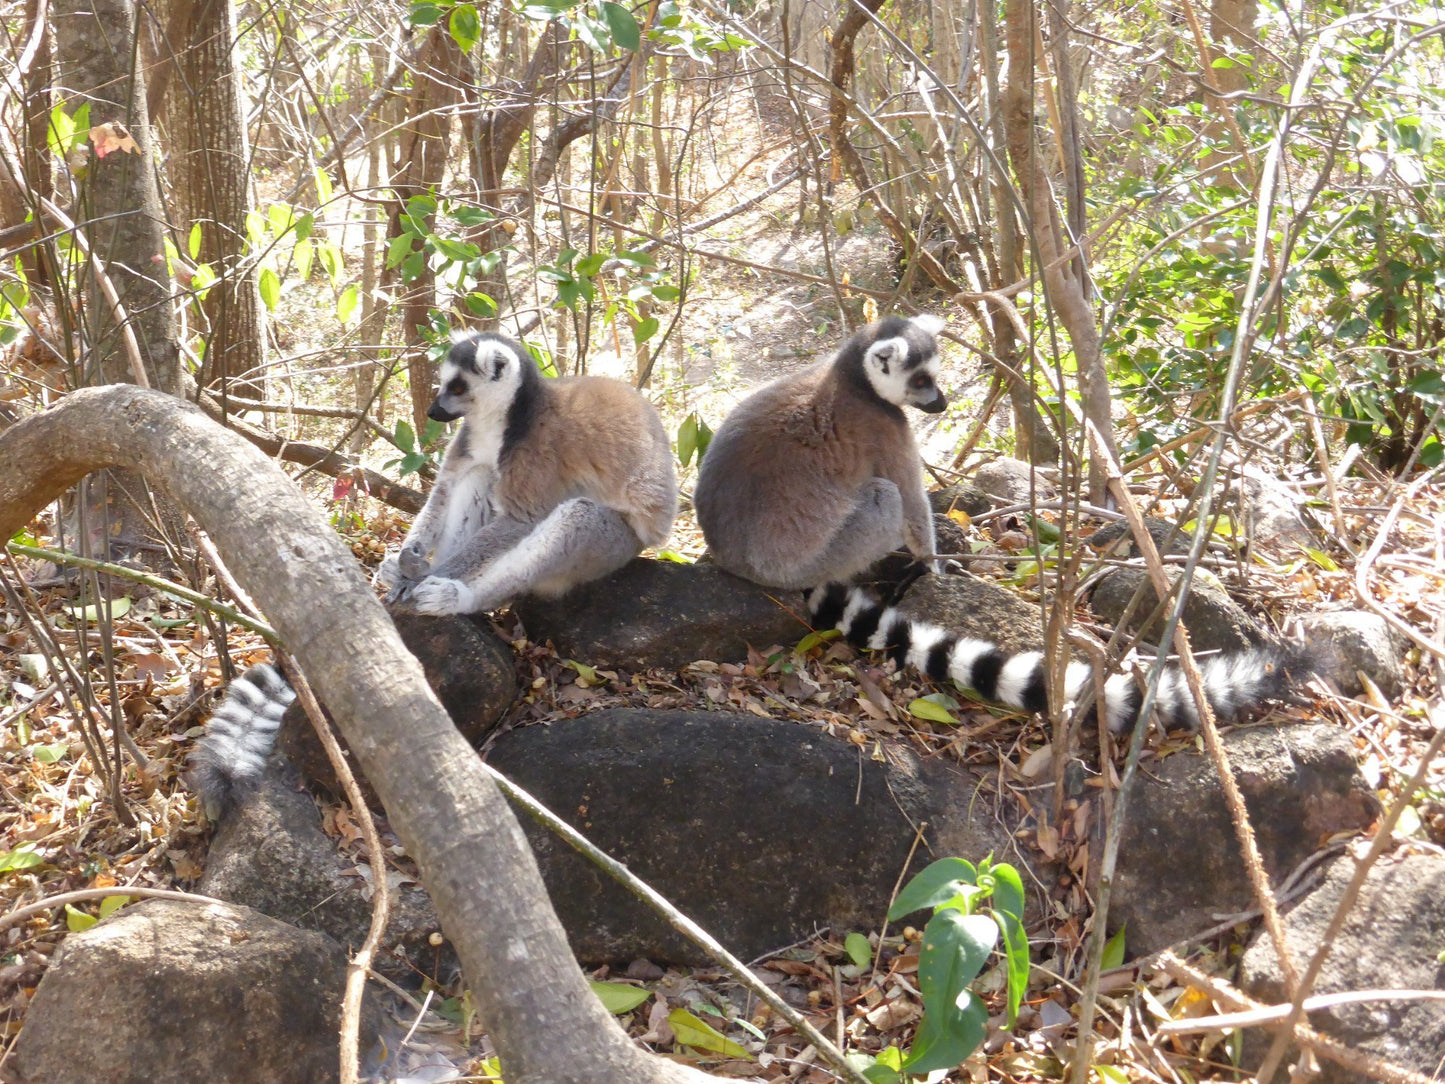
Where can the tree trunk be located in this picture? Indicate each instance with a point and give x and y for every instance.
(118, 206)
(1065, 290)
(548, 1026)
(210, 155)
(426, 139)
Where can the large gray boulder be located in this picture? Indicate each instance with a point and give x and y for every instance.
(664, 614)
(164, 992)
(1392, 939)
(1180, 864)
(762, 831)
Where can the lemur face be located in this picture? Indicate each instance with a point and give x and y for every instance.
(903, 368)
(480, 374)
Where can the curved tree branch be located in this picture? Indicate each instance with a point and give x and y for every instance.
(547, 1025)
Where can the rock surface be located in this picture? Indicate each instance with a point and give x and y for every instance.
(1010, 480)
(469, 666)
(1344, 644)
(1180, 864)
(1215, 621)
(164, 992)
(976, 607)
(762, 831)
(270, 854)
(1392, 939)
(660, 613)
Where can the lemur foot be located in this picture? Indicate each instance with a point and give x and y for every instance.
(387, 574)
(435, 595)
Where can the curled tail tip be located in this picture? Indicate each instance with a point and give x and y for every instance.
(228, 760)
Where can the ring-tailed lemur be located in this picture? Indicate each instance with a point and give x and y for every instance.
(547, 484)
(816, 476)
(231, 755)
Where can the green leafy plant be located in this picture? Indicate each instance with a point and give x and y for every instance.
(973, 908)
(693, 437)
(416, 454)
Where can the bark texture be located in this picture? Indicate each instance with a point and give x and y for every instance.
(211, 155)
(548, 1026)
(119, 207)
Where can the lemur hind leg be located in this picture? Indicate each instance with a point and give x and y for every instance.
(497, 537)
(870, 531)
(578, 541)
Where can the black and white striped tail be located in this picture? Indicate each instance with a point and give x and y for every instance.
(229, 759)
(1232, 683)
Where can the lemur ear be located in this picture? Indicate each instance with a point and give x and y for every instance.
(929, 323)
(884, 352)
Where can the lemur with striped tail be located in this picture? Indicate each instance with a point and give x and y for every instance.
(547, 484)
(816, 476)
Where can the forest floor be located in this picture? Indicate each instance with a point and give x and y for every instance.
(61, 831)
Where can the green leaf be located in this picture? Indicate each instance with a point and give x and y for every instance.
(111, 904)
(405, 435)
(303, 226)
(193, 241)
(937, 884)
(1321, 558)
(331, 259)
(324, 187)
(78, 921)
(270, 287)
(50, 754)
(690, 1031)
(348, 304)
(645, 330)
(1114, 949)
(687, 439)
(1111, 1074)
(22, 857)
(814, 638)
(858, 949)
(119, 607)
(924, 708)
(619, 997)
(304, 253)
(424, 14)
(955, 948)
(665, 291)
(465, 27)
(624, 28)
(590, 264)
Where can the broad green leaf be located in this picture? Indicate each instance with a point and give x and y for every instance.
(78, 921)
(645, 329)
(424, 14)
(22, 857)
(49, 754)
(592, 32)
(666, 292)
(690, 1031)
(303, 254)
(405, 435)
(193, 241)
(1111, 1074)
(202, 279)
(324, 188)
(270, 287)
(119, 607)
(618, 997)
(924, 708)
(937, 884)
(590, 264)
(348, 304)
(624, 28)
(1114, 949)
(687, 439)
(955, 948)
(111, 904)
(331, 260)
(813, 639)
(303, 226)
(465, 27)
(1321, 558)
(858, 949)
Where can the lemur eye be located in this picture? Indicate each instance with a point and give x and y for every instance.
(457, 387)
(921, 380)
